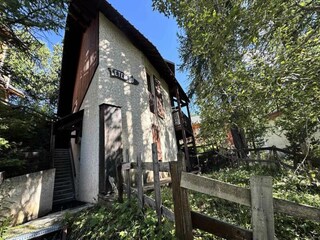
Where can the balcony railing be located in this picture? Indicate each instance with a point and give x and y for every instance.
(186, 122)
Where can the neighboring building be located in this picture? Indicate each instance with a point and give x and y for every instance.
(275, 137)
(116, 96)
(196, 128)
(6, 89)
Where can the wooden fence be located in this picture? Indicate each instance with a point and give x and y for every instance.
(143, 199)
(232, 157)
(258, 197)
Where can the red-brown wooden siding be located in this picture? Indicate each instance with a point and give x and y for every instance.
(88, 62)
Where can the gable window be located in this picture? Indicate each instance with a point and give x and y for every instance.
(155, 96)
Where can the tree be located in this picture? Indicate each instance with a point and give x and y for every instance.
(26, 123)
(249, 58)
(22, 22)
(32, 68)
(39, 79)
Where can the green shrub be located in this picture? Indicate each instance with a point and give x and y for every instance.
(117, 221)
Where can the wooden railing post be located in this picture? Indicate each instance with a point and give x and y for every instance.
(120, 182)
(140, 181)
(156, 180)
(128, 177)
(262, 207)
(182, 214)
(2, 177)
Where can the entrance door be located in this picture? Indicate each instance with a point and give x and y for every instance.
(110, 147)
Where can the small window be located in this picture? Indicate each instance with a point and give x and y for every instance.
(158, 93)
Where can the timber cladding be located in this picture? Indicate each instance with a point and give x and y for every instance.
(87, 64)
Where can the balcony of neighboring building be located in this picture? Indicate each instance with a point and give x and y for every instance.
(180, 124)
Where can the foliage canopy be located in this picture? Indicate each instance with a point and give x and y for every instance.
(249, 58)
(22, 22)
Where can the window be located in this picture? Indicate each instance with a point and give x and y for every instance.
(158, 93)
(155, 96)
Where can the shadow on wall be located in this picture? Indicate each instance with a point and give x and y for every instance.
(131, 98)
(117, 52)
(26, 197)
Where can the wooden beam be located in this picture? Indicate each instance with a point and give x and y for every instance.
(219, 228)
(216, 188)
(163, 166)
(296, 209)
(156, 179)
(262, 207)
(140, 182)
(182, 215)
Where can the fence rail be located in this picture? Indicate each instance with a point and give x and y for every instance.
(258, 197)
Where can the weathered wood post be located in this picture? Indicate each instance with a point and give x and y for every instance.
(276, 157)
(140, 181)
(182, 214)
(120, 182)
(262, 207)
(127, 176)
(2, 176)
(156, 180)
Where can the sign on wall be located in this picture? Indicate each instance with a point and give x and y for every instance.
(114, 73)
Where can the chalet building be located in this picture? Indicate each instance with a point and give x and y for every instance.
(117, 97)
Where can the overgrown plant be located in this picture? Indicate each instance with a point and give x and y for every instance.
(117, 221)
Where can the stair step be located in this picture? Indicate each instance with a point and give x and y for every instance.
(61, 150)
(59, 187)
(56, 202)
(64, 199)
(61, 160)
(63, 184)
(63, 196)
(63, 191)
(59, 181)
(63, 171)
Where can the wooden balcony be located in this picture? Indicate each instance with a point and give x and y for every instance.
(184, 123)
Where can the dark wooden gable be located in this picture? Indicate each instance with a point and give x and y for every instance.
(87, 64)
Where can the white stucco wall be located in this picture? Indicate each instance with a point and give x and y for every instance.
(116, 51)
(88, 165)
(275, 137)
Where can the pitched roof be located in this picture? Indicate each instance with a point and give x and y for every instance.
(81, 12)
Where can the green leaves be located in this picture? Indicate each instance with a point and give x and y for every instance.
(249, 58)
(117, 221)
(23, 22)
(38, 79)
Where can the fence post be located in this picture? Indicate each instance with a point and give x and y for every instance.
(262, 207)
(275, 156)
(120, 182)
(2, 176)
(128, 177)
(182, 214)
(156, 180)
(140, 181)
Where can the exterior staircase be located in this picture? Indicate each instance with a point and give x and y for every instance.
(63, 183)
